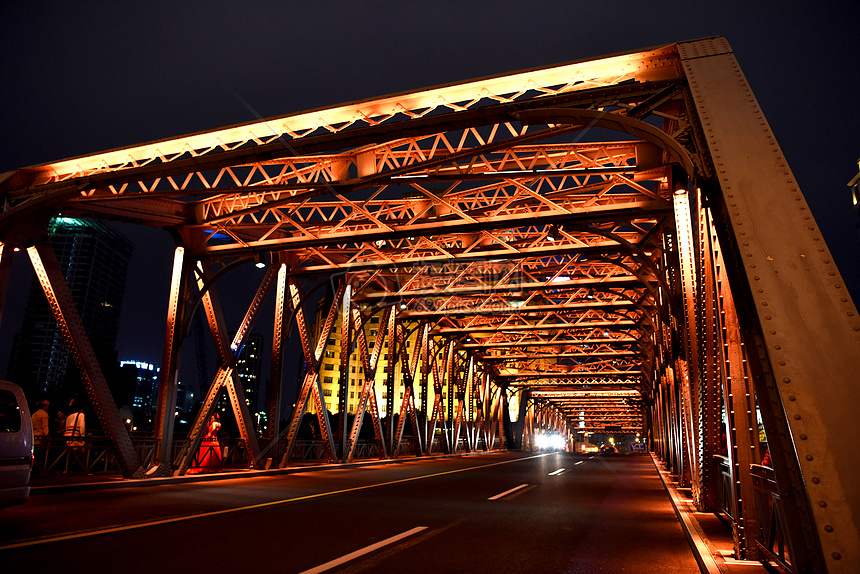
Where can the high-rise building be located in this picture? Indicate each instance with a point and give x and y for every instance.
(94, 259)
(248, 368)
(145, 381)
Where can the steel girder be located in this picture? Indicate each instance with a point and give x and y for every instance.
(65, 312)
(545, 254)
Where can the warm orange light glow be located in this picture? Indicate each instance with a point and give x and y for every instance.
(553, 80)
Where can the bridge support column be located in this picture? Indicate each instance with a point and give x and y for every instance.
(164, 422)
(276, 373)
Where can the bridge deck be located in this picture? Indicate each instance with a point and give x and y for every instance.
(601, 509)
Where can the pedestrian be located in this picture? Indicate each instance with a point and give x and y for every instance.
(208, 457)
(41, 423)
(76, 426)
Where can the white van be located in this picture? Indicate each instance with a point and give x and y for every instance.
(16, 445)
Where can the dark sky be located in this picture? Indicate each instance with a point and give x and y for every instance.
(83, 77)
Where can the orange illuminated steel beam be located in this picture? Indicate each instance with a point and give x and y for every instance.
(656, 64)
(65, 312)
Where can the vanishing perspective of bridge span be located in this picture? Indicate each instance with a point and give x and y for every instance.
(613, 244)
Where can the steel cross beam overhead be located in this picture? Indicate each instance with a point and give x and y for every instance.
(578, 248)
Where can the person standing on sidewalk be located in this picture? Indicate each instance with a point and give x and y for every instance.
(76, 427)
(41, 423)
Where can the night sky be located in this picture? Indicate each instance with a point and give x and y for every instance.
(83, 77)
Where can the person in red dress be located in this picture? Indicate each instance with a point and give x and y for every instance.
(208, 457)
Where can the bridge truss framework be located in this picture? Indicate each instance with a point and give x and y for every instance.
(614, 242)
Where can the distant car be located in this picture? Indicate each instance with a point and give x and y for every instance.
(16, 445)
(608, 450)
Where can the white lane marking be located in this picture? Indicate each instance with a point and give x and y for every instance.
(134, 526)
(507, 492)
(361, 552)
(556, 472)
(580, 462)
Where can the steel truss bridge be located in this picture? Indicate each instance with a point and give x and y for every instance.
(617, 241)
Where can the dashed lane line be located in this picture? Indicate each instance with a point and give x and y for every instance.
(507, 492)
(361, 552)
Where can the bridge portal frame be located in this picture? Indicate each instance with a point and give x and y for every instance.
(751, 261)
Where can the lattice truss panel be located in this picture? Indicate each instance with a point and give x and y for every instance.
(538, 246)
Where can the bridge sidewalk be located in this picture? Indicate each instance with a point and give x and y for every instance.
(708, 534)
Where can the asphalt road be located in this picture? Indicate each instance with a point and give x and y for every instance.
(505, 512)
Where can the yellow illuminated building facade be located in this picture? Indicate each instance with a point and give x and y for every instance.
(330, 371)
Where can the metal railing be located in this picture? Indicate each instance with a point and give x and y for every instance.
(771, 536)
(726, 492)
(52, 455)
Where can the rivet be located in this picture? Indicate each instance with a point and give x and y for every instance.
(797, 417)
(810, 457)
(760, 290)
(832, 273)
(857, 328)
(772, 332)
(752, 266)
(836, 555)
(822, 504)
(786, 379)
(764, 303)
(803, 436)
(815, 480)
(850, 313)
(843, 299)
(827, 261)
(757, 278)
(792, 398)
(828, 528)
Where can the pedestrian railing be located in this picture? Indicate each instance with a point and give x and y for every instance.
(53, 455)
(771, 534)
(726, 492)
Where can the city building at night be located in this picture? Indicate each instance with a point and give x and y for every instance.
(330, 371)
(94, 259)
(145, 377)
(248, 367)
